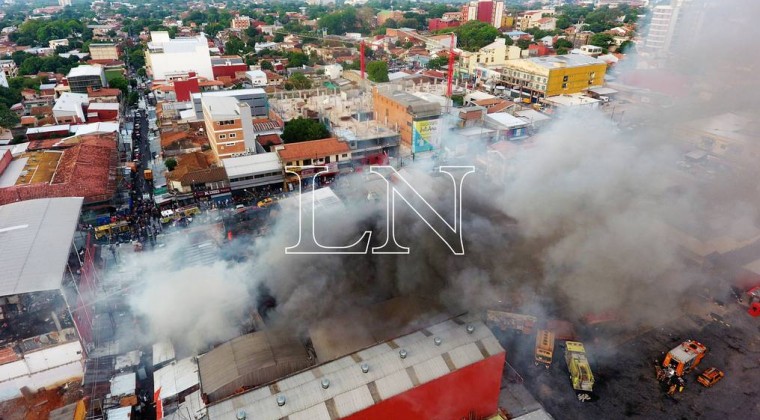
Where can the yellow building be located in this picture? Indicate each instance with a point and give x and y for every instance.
(492, 55)
(542, 77)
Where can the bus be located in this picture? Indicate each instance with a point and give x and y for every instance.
(544, 348)
(580, 371)
(111, 229)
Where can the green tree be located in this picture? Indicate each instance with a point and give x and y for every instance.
(119, 82)
(563, 43)
(390, 23)
(267, 65)
(303, 129)
(8, 118)
(626, 47)
(142, 72)
(377, 71)
(523, 44)
(299, 81)
(475, 35)
(133, 98)
(297, 59)
(601, 40)
(234, 46)
(170, 164)
(437, 62)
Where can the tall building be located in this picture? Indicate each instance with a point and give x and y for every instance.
(229, 126)
(64, 3)
(487, 11)
(240, 23)
(676, 26)
(168, 57)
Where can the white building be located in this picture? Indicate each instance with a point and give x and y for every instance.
(69, 108)
(254, 170)
(166, 57)
(333, 71)
(256, 78)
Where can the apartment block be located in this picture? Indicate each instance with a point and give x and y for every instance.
(541, 77)
(229, 126)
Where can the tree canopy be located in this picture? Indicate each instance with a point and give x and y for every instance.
(298, 82)
(475, 35)
(377, 71)
(303, 129)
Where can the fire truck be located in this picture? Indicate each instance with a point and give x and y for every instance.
(679, 361)
(544, 348)
(580, 371)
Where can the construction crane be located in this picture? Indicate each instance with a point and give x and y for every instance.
(362, 46)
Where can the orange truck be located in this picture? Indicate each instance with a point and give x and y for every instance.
(679, 361)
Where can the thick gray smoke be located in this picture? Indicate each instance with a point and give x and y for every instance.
(583, 221)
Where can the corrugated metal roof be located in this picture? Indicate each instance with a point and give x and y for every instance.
(122, 413)
(176, 377)
(350, 390)
(251, 360)
(123, 385)
(35, 238)
(163, 352)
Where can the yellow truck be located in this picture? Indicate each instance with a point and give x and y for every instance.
(544, 348)
(580, 371)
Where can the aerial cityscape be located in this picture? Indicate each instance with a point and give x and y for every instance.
(379, 209)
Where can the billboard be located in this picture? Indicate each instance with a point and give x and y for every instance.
(425, 136)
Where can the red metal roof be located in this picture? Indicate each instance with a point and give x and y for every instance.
(86, 170)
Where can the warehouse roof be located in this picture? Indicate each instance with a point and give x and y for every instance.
(175, 378)
(251, 360)
(252, 164)
(350, 390)
(35, 238)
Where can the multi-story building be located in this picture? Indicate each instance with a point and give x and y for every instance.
(227, 67)
(240, 23)
(487, 11)
(676, 26)
(256, 98)
(661, 28)
(166, 56)
(84, 76)
(415, 118)
(104, 52)
(492, 55)
(229, 126)
(542, 77)
(536, 19)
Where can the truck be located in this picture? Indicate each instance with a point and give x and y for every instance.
(544, 348)
(581, 376)
(679, 361)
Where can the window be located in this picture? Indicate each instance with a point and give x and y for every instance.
(345, 155)
(222, 136)
(306, 162)
(233, 135)
(564, 79)
(564, 86)
(229, 144)
(592, 75)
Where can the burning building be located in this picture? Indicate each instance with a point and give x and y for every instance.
(46, 328)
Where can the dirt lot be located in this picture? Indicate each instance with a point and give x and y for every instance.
(624, 373)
